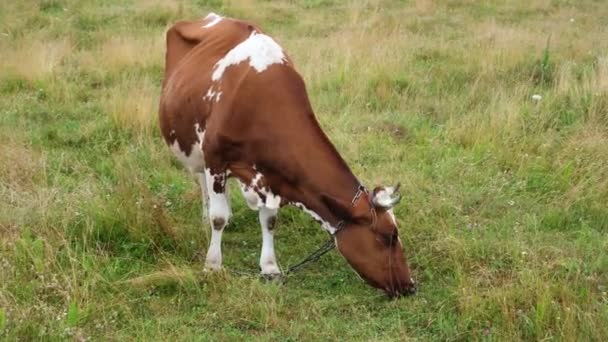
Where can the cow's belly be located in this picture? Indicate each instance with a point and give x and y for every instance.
(194, 159)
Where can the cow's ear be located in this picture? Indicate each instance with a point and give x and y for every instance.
(189, 31)
(386, 197)
(181, 38)
(339, 208)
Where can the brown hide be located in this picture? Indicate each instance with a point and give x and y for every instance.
(263, 123)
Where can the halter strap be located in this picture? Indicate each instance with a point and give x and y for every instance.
(360, 191)
(331, 243)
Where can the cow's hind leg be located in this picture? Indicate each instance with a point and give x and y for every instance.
(268, 261)
(219, 214)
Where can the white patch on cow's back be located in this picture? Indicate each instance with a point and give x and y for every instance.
(195, 161)
(261, 51)
(211, 15)
(213, 20)
(210, 94)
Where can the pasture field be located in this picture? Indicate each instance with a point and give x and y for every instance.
(504, 214)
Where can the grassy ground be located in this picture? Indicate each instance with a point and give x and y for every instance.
(504, 216)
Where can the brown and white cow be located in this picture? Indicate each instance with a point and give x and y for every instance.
(233, 105)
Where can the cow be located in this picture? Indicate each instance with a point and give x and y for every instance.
(234, 106)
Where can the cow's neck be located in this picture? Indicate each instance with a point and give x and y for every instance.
(323, 171)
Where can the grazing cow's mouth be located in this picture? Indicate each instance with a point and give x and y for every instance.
(406, 291)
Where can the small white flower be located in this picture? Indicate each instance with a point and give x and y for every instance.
(571, 20)
(536, 97)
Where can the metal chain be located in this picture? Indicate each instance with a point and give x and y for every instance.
(314, 256)
(321, 251)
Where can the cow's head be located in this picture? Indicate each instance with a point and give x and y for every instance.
(369, 240)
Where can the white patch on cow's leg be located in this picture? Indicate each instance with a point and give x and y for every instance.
(204, 195)
(219, 213)
(268, 261)
(213, 261)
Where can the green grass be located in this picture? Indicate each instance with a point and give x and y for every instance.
(504, 215)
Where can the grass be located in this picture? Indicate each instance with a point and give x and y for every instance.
(504, 215)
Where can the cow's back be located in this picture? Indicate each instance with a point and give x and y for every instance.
(232, 92)
(190, 93)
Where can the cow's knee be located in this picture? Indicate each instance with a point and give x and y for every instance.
(218, 223)
(219, 208)
(219, 214)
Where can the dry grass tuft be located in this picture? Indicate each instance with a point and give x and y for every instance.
(145, 5)
(20, 166)
(171, 275)
(601, 77)
(565, 78)
(133, 104)
(119, 53)
(425, 7)
(503, 46)
(37, 59)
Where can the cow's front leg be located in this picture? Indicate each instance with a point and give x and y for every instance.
(219, 213)
(268, 261)
(204, 195)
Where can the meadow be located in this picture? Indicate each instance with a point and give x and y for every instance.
(493, 115)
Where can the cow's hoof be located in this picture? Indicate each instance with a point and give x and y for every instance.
(273, 277)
